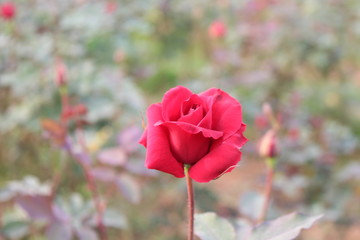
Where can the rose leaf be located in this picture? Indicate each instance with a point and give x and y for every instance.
(209, 226)
(284, 228)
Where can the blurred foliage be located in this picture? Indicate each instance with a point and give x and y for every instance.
(300, 56)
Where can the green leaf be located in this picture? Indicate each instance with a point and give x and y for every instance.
(15, 229)
(115, 219)
(209, 226)
(284, 228)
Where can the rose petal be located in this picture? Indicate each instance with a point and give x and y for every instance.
(187, 147)
(193, 100)
(226, 111)
(143, 139)
(194, 117)
(172, 102)
(238, 139)
(223, 156)
(206, 122)
(190, 128)
(158, 155)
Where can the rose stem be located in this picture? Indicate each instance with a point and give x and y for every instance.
(81, 160)
(96, 199)
(190, 192)
(268, 189)
(91, 183)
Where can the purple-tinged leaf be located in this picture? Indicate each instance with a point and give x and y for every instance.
(103, 174)
(6, 194)
(209, 226)
(115, 219)
(128, 187)
(243, 229)
(286, 227)
(128, 139)
(111, 218)
(86, 233)
(59, 231)
(137, 166)
(113, 157)
(349, 172)
(38, 207)
(29, 185)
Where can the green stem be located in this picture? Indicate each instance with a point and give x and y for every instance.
(268, 188)
(190, 192)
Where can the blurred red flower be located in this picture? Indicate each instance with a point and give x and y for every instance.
(217, 29)
(60, 71)
(7, 10)
(110, 7)
(202, 130)
(268, 144)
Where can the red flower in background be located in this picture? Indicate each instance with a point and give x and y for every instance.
(7, 10)
(61, 72)
(268, 144)
(217, 29)
(110, 7)
(202, 130)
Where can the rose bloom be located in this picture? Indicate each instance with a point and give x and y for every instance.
(7, 10)
(217, 29)
(202, 130)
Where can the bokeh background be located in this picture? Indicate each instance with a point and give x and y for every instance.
(117, 57)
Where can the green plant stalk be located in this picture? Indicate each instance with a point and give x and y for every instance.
(86, 169)
(190, 202)
(92, 188)
(270, 163)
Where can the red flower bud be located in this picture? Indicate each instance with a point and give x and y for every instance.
(60, 78)
(267, 110)
(110, 7)
(80, 109)
(74, 111)
(67, 113)
(268, 144)
(217, 29)
(261, 122)
(7, 10)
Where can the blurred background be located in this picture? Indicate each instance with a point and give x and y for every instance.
(111, 59)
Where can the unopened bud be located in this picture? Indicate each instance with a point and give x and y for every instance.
(80, 109)
(67, 113)
(60, 78)
(267, 110)
(110, 7)
(268, 144)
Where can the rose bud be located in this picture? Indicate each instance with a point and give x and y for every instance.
(60, 78)
(7, 10)
(268, 144)
(80, 109)
(267, 110)
(217, 29)
(110, 7)
(67, 113)
(204, 131)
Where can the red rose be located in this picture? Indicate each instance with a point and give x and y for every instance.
(202, 130)
(7, 10)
